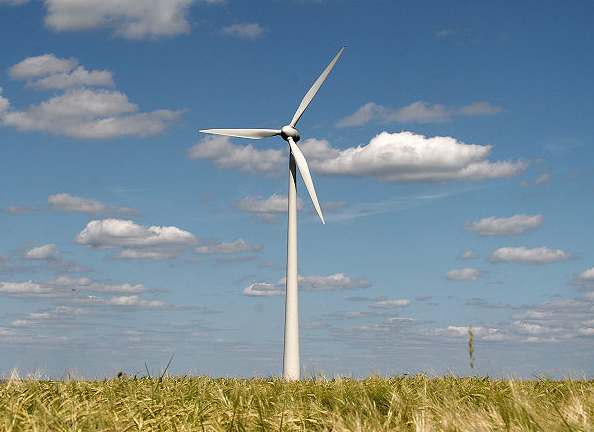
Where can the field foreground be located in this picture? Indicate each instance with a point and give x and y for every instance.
(415, 403)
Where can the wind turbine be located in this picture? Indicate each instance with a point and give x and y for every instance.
(291, 369)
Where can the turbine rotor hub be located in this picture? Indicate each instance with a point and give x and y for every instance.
(289, 131)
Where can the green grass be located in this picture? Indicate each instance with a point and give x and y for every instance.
(413, 403)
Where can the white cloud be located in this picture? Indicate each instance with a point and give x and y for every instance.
(77, 291)
(263, 289)
(126, 233)
(134, 301)
(71, 203)
(402, 156)
(50, 72)
(469, 254)
(249, 31)
(238, 246)
(45, 252)
(266, 208)
(588, 331)
(140, 254)
(246, 158)
(406, 156)
(464, 274)
(336, 281)
(416, 112)
(530, 328)
(587, 275)
(513, 225)
(90, 114)
(40, 66)
(131, 19)
(539, 255)
(79, 77)
(331, 282)
(390, 303)
(23, 288)
(89, 285)
(79, 112)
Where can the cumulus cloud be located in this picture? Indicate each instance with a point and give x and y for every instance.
(238, 246)
(90, 114)
(586, 278)
(24, 288)
(42, 65)
(119, 232)
(402, 156)
(77, 78)
(71, 203)
(244, 157)
(513, 225)
(332, 282)
(266, 208)
(50, 72)
(45, 252)
(137, 241)
(416, 112)
(464, 274)
(539, 255)
(134, 301)
(88, 285)
(66, 286)
(151, 255)
(336, 281)
(587, 275)
(78, 291)
(263, 289)
(130, 19)
(80, 112)
(406, 156)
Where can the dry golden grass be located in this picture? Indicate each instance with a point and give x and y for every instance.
(414, 403)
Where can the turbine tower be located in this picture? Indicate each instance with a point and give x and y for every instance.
(291, 368)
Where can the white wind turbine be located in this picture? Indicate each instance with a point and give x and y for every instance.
(291, 369)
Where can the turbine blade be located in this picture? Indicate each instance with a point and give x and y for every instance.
(314, 89)
(304, 170)
(243, 133)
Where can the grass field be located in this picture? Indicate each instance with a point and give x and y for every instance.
(413, 403)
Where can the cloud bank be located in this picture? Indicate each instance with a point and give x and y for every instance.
(80, 111)
(493, 226)
(539, 255)
(401, 156)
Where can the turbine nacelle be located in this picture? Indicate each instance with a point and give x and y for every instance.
(289, 131)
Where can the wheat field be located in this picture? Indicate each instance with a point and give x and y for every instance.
(408, 403)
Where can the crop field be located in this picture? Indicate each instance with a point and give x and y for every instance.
(410, 403)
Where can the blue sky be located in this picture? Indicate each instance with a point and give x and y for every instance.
(451, 150)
